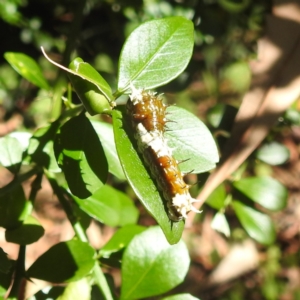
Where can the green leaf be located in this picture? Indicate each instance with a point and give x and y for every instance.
(64, 262)
(80, 289)
(87, 72)
(5, 279)
(14, 208)
(106, 136)
(93, 91)
(191, 141)
(28, 68)
(11, 153)
(140, 180)
(40, 147)
(22, 137)
(120, 239)
(27, 233)
(233, 6)
(80, 155)
(155, 53)
(220, 224)
(5, 263)
(181, 297)
(257, 224)
(110, 207)
(273, 153)
(238, 75)
(217, 198)
(266, 191)
(215, 114)
(151, 266)
(185, 140)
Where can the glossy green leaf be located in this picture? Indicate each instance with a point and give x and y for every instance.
(257, 224)
(155, 53)
(266, 191)
(106, 136)
(95, 98)
(181, 297)
(64, 262)
(110, 207)
(81, 71)
(28, 68)
(220, 224)
(120, 239)
(151, 266)
(273, 153)
(87, 72)
(80, 155)
(27, 233)
(191, 141)
(5, 263)
(93, 101)
(140, 180)
(40, 147)
(80, 289)
(217, 198)
(14, 208)
(11, 153)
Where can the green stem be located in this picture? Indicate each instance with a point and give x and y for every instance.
(15, 291)
(36, 185)
(101, 282)
(80, 233)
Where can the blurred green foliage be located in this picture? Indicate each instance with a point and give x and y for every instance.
(217, 77)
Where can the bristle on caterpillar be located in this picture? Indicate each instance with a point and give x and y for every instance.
(148, 119)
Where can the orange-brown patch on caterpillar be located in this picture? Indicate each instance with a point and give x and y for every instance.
(150, 112)
(148, 119)
(168, 178)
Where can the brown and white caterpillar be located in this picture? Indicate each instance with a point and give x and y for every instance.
(148, 120)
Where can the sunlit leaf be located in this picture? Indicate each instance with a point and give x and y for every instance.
(181, 297)
(257, 224)
(155, 53)
(121, 239)
(191, 141)
(110, 207)
(11, 153)
(273, 153)
(151, 266)
(80, 289)
(220, 224)
(266, 191)
(27, 67)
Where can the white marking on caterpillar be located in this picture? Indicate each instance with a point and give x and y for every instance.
(147, 113)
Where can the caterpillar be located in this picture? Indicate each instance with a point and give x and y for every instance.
(148, 120)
